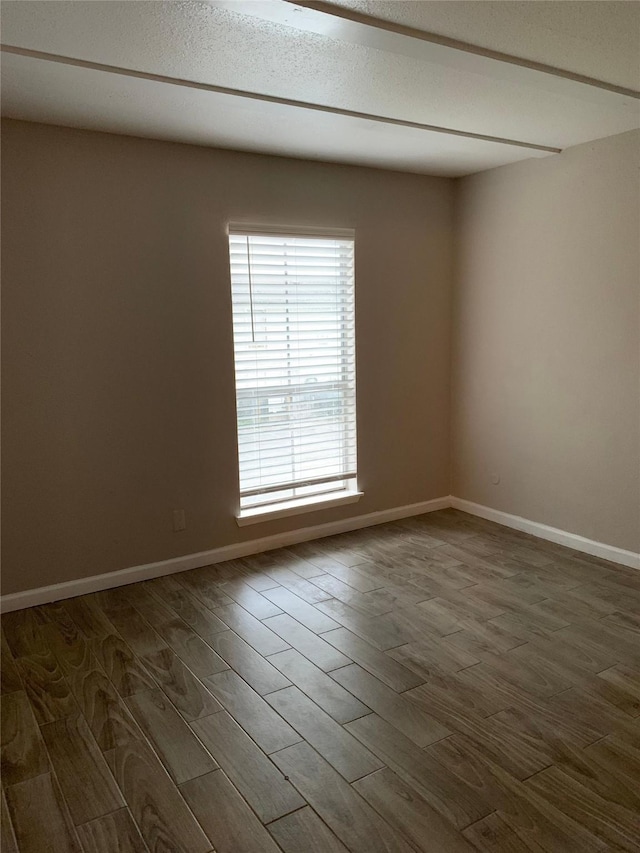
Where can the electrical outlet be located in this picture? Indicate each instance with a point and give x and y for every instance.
(179, 520)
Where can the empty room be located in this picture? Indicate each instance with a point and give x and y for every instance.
(320, 426)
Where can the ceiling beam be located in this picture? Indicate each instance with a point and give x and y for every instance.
(258, 96)
(351, 15)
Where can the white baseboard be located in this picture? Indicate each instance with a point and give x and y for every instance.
(122, 577)
(552, 534)
(109, 580)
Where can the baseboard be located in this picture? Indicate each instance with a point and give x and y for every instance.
(552, 534)
(122, 577)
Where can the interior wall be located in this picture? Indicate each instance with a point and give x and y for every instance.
(118, 385)
(546, 352)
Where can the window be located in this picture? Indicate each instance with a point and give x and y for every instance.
(294, 343)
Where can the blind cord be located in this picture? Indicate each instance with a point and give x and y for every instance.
(253, 328)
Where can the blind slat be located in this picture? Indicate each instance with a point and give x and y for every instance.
(316, 481)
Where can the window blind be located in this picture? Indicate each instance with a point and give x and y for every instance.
(294, 343)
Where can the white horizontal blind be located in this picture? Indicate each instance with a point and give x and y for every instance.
(294, 341)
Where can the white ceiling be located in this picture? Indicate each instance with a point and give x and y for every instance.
(275, 49)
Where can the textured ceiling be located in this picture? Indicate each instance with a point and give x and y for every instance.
(409, 80)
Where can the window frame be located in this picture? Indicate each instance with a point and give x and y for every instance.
(289, 506)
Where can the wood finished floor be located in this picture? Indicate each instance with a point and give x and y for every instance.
(435, 684)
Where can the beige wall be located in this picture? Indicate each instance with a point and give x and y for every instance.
(118, 361)
(546, 349)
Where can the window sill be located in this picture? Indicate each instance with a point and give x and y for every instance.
(295, 507)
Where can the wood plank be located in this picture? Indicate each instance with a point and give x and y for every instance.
(527, 625)
(583, 766)
(123, 668)
(40, 817)
(547, 740)
(254, 573)
(179, 750)
(248, 767)
(219, 573)
(46, 687)
(66, 640)
(252, 601)
(469, 765)
(446, 616)
(403, 808)
(538, 822)
(573, 605)
(327, 737)
(88, 616)
(384, 632)
(612, 823)
(23, 632)
(508, 593)
(23, 752)
(117, 598)
(423, 656)
(497, 740)
(461, 801)
(619, 758)
(595, 712)
(566, 669)
(622, 619)
(309, 592)
(509, 696)
(369, 604)
(9, 678)
(109, 721)
(398, 592)
(83, 775)
(322, 689)
(364, 577)
(493, 835)
(350, 575)
(8, 843)
(565, 647)
(304, 613)
(110, 833)
(304, 568)
(161, 814)
(623, 687)
(313, 647)
(202, 583)
(343, 554)
(393, 674)
(137, 632)
(598, 634)
(397, 710)
(231, 826)
(482, 639)
(605, 595)
(189, 695)
(252, 631)
(198, 656)
(436, 574)
(464, 692)
(343, 809)
(256, 670)
(187, 607)
(304, 831)
(251, 712)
